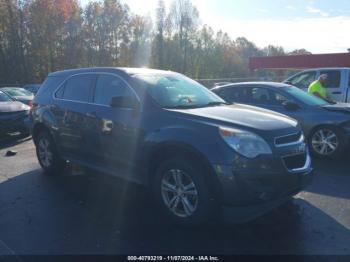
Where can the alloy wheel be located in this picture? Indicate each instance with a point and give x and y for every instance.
(324, 142)
(179, 193)
(45, 154)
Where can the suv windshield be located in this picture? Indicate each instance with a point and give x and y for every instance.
(4, 97)
(176, 91)
(305, 97)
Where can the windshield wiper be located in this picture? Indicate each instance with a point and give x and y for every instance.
(182, 107)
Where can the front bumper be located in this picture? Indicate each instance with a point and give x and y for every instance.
(250, 188)
(347, 132)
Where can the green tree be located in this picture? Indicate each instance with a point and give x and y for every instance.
(157, 57)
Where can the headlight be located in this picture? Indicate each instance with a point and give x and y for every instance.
(245, 143)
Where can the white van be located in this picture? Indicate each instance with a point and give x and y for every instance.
(338, 87)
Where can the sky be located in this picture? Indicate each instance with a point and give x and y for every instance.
(320, 26)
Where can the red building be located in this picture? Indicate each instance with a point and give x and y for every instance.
(300, 61)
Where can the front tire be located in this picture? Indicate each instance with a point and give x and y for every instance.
(48, 156)
(182, 193)
(327, 142)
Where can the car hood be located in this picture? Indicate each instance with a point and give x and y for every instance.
(12, 106)
(244, 116)
(338, 107)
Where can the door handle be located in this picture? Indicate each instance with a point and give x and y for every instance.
(336, 93)
(91, 114)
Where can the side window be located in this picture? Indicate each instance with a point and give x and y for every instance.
(108, 86)
(278, 99)
(49, 86)
(59, 92)
(79, 88)
(333, 80)
(239, 94)
(260, 96)
(235, 94)
(223, 94)
(303, 80)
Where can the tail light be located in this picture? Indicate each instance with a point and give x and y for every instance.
(30, 104)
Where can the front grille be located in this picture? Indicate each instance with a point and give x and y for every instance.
(295, 161)
(292, 138)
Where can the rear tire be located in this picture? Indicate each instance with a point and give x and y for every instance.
(182, 193)
(48, 156)
(327, 142)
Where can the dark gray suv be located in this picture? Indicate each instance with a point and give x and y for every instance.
(166, 131)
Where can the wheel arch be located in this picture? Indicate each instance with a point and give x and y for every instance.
(343, 137)
(169, 149)
(314, 128)
(37, 128)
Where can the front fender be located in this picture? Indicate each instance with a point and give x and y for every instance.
(205, 141)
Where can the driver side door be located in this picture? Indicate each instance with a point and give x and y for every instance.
(117, 128)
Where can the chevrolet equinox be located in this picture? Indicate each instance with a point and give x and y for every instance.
(161, 129)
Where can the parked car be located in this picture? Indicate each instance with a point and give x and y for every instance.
(168, 132)
(14, 116)
(33, 88)
(326, 126)
(338, 86)
(19, 94)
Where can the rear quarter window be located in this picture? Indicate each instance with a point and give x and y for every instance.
(48, 87)
(79, 88)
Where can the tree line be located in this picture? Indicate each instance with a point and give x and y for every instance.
(41, 36)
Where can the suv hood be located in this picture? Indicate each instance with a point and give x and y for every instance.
(244, 116)
(12, 106)
(338, 107)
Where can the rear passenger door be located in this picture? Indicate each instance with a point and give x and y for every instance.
(70, 112)
(334, 85)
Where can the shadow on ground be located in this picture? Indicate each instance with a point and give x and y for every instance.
(332, 178)
(85, 213)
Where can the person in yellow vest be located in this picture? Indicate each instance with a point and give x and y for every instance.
(318, 88)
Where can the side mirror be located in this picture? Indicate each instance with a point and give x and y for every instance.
(290, 105)
(124, 102)
(288, 82)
